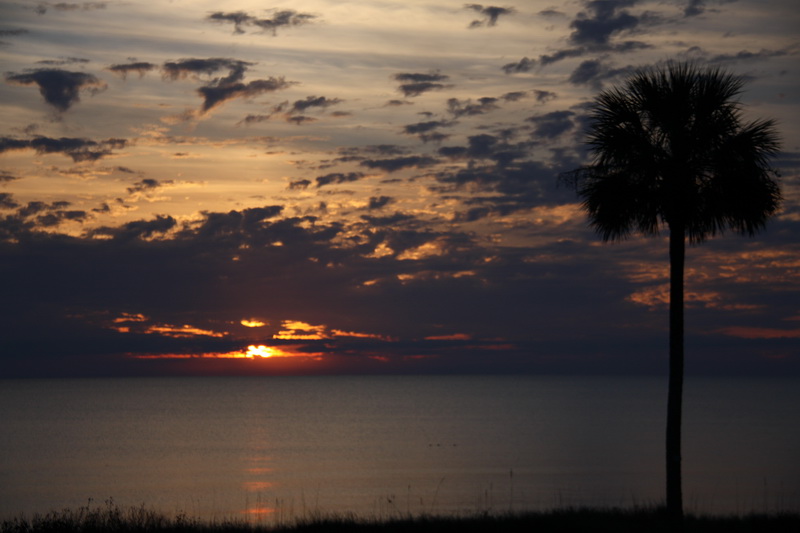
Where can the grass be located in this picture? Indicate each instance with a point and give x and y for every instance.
(115, 519)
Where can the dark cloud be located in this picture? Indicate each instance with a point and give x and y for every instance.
(60, 88)
(552, 125)
(186, 67)
(292, 112)
(414, 84)
(238, 18)
(527, 64)
(544, 96)
(7, 201)
(253, 262)
(301, 106)
(224, 88)
(486, 146)
(35, 216)
(694, 8)
(594, 72)
(138, 229)
(147, 186)
(336, 178)
(255, 119)
(220, 92)
(279, 19)
(459, 108)
(399, 163)
(139, 67)
(42, 7)
(6, 176)
(299, 184)
(78, 149)
(63, 61)
(593, 31)
(550, 13)
(13, 33)
(515, 96)
(426, 131)
(604, 19)
(299, 119)
(378, 202)
(490, 14)
(746, 55)
(523, 65)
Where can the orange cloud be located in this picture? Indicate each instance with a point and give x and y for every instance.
(184, 331)
(453, 337)
(744, 332)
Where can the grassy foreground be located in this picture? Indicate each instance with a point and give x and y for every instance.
(113, 518)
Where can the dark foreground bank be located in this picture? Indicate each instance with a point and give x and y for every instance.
(112, 518)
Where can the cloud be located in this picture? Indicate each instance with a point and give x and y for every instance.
(35, 216)
(336, 178)
(292, 113)
(414, 84)
(42, 7)
(552, 125)
(147, 184)
(593, 31)
(426, 131)
(459, 108)
(186, 67)
(6, 176)
(694, 8)
(145, 188)
(222, 89)
(490, 14)
(299, 184)
(79, 149)
(746, 55)
(544, 96)
(593, 72)
(63, 61)
(60, 88)
(138, 229)
(279, 19)
(7, 201)
(238, 18)
(604, 19)
(220, 92)
(377, 202)
(140, 67)
(107, 300)
(399, 163)
(11, 33)
(301, 106)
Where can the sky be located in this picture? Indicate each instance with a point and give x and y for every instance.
(320, 187)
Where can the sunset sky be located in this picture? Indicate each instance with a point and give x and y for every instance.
(363, 186)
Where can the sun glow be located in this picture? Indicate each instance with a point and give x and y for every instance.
(262, 351)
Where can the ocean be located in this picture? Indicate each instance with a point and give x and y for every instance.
(279, 448)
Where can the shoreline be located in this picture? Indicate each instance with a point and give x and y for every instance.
(111, 517)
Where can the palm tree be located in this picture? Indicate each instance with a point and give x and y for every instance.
(670, 149)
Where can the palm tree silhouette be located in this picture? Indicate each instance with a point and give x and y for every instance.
(670, 148)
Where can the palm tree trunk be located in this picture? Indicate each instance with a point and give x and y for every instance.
(677, 254)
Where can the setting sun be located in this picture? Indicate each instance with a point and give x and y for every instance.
(262, 351)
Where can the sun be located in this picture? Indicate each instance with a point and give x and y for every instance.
(261, 351)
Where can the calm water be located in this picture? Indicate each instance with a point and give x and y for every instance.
(277, 448)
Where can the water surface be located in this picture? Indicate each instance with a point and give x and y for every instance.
(290, 446)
